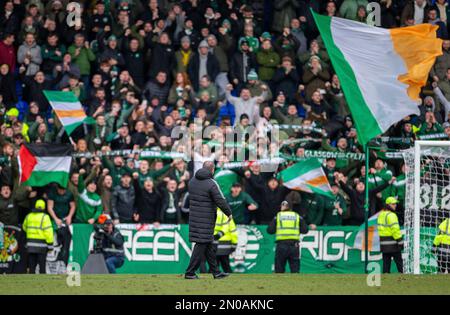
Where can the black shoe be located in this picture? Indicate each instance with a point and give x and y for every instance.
(221, 275)
(191, 277)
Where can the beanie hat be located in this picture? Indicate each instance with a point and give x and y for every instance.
(203, 43)
(226, 21)
(186, 39)
(111, 38)
(252, 75)
(266, 35)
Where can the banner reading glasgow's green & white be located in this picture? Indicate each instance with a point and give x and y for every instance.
(167, 249)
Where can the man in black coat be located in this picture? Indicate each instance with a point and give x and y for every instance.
(205, 197)
(203, 63)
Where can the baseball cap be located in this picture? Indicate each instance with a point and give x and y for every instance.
(40, 204)
(391, 200)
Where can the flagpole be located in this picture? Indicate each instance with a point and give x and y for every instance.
(366, 212)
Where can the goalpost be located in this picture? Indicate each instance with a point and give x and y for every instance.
(427, 202)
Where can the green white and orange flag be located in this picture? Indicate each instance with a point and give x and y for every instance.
(307, 176)
(357, 238)
(381, 70)
(68, 109)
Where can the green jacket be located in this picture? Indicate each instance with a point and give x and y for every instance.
(239, 205)
(115, 172)
(340, 163)
(83, 60)
(331, 216)
(89, 205)
(48, 52)
(424, 130)
(378, 179)
(152, 174)
(123, 116)
(313, 205)
(349, 8)
(268, 61)
(222, 58)
(212, 91)
(399, 188)
(33, 134)
(292, 120)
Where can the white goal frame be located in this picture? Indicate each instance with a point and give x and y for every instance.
(418, 144)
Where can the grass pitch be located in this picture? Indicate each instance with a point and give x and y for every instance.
(238, 284)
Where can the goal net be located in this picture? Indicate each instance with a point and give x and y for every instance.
(427, 203)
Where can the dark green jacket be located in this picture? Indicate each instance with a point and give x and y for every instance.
(331, 216)
(268, 61)
(115, 172)
(239, 206)
(313, 205)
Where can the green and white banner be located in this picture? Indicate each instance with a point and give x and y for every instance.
(167, 249)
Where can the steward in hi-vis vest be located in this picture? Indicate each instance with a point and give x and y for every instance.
(39, 232)
(442, 245)
(226, 237)
(391, 239)
(287, 226)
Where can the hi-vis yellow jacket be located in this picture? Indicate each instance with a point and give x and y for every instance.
(226, 231)
(443, 236)
(39, 230)
(391, 239)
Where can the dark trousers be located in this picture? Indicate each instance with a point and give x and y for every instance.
(387, 259)
(35, 259)
(64, 238)
(207, 250)
(224, 261)
(287, 251)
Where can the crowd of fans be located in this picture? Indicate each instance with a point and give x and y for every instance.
(144, 67)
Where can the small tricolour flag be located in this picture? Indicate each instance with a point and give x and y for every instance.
(381, 70)
(357, 239)
(42, 164)
(68, 109)
(307, 176)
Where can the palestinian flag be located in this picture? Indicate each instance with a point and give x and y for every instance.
(68, 109)
(307, 176)
(381, 70)
(42, 164)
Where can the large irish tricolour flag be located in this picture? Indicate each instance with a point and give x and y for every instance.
(41, 164)
(68, 109)
(381, 70)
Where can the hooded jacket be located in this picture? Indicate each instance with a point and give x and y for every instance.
(241, 63)
(205, 197)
